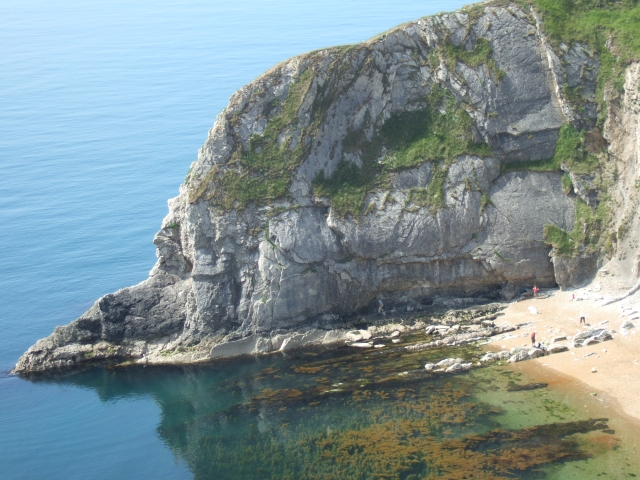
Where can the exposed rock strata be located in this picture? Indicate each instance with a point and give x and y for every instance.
(233, 279)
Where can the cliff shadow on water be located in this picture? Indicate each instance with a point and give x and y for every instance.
(347, 413)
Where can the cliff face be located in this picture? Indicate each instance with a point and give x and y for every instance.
(404, 169)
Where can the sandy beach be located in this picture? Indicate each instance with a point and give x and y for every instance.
(616, 379)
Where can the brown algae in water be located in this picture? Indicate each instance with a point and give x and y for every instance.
(420, 432)
(379, 414)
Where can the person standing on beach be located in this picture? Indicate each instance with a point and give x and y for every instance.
(533, 339)
(535, 290)
(583, 320)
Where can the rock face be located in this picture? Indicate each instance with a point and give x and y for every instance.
(253, 246)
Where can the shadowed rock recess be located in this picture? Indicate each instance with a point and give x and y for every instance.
(399, 169)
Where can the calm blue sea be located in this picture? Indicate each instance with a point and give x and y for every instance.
(103, 106)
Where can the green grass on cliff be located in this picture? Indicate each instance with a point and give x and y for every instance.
(567, 185)
(587, 21)
(570, 151)
(264, 170)
(611, 29)
(586, 233)
(438, 133)
(479, 55)
(595, 22)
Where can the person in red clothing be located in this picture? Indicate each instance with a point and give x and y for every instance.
(533, 339)
(535, 291)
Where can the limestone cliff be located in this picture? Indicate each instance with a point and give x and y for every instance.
(407, 169)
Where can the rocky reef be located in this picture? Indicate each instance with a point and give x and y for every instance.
(450, 157)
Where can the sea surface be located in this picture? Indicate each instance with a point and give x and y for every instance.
(103, 106)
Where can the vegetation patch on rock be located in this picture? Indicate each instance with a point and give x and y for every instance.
(439, 132)
(451, 54)
(611, 29)
(571, 151)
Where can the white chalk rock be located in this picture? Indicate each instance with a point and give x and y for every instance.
(447, 362)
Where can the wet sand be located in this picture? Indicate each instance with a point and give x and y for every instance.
(616, 382)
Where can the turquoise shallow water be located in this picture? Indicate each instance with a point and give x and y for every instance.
(340, 414)
(103, 106)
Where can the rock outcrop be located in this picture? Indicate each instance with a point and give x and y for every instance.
(394, 170)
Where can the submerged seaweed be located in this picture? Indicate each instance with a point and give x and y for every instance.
(379, 414)
(528, 386)
(359, 414)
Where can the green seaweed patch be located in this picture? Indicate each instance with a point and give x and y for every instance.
(513, 387)
(347, 425)
(426, 431)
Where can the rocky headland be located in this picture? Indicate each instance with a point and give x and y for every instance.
(453, 160)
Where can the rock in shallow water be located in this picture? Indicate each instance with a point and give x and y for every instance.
(459, 367)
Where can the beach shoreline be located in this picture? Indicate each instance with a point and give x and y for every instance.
(616, 379)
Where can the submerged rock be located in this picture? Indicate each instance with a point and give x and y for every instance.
(489, 357)
(448, 362)
(459, 367)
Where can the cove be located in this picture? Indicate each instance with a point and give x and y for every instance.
(352, 414)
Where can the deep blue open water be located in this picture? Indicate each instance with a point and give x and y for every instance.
(103, 106)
